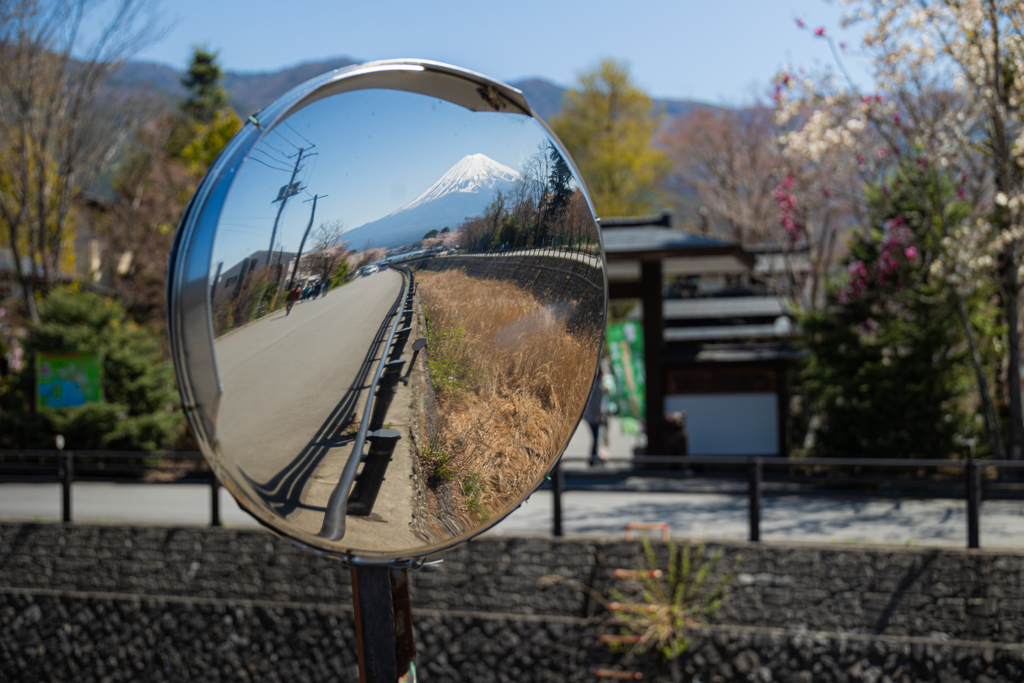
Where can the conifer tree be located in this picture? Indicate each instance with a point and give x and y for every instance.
(206, 94)
(139, 407)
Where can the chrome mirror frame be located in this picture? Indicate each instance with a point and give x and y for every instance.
(188, 292)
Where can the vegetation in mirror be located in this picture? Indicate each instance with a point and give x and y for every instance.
(462, 344)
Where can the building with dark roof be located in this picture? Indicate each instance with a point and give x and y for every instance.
(723, 348)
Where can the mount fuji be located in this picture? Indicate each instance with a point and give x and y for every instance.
(464, 190)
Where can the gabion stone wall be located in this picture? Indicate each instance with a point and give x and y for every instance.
(94, 603)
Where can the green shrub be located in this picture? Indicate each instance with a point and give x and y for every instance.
(140, 408)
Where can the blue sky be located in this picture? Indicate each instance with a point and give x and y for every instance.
(377, 151)
(719, 51)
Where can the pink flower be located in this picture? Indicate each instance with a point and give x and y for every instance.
(842, 46)
(820, 31)
(910, 252)
(799, 23)
(827, 192)
(896, 118)
(960, 191)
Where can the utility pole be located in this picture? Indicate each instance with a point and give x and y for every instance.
(282, 196)
(298, 256)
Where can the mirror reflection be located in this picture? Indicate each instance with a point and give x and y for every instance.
(408, 305)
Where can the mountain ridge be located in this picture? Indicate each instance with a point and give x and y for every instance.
(250, 91)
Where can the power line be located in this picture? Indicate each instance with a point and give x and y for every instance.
(268, 155)
(278, 133)
(264, 142)
(297, 132)
(276, 168)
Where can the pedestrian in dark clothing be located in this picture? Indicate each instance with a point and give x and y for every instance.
(592, 414)
(293, 296)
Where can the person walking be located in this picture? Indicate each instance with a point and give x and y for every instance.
(293, 296)
(594, 417)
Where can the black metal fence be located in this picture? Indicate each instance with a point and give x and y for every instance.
(137, 467)
(758, 477)
(805, 477)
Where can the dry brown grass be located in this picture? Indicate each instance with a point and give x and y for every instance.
(505, 423)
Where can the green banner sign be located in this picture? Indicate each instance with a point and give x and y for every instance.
(626, 351)
(66, 380)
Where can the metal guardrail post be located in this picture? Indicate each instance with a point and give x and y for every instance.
(214, 500)
(557, 487)
(973, 502)
(755, 476)
(368, 482)
(66, 474)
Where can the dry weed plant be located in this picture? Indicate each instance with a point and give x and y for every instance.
(661, 613)
(510, 381)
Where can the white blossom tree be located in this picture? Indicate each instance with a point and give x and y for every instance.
(950, 82)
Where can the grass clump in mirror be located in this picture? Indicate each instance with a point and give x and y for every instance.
(474, 489)
(437, 463)
(452, 369)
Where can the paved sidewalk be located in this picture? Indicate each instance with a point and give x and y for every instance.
(691, 515)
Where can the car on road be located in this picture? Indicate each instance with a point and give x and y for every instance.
(451, 251)
(370, 270)
(384, 266)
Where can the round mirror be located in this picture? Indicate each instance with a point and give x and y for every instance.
(387, 305)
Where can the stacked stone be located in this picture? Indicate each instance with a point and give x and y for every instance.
(115, 603)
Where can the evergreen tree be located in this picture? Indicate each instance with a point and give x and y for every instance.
(140, 400)
(559, 182)
(888, 374)
(206, 95)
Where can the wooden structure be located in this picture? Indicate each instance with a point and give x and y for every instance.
(719, 356)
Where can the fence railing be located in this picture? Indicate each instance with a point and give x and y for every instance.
(805, 477)
(138, 467)
(752, 471)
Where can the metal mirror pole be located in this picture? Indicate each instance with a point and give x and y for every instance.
(383, 617)
(375, 625)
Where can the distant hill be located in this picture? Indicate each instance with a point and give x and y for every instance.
(545, 98)
(251, 91)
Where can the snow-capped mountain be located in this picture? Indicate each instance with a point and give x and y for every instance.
(475, 173)
(464, 190)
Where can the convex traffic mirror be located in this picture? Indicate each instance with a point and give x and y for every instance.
(387, 302)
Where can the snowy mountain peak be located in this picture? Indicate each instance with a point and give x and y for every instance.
(472, 174)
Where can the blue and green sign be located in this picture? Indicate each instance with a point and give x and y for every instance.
(66, 380)
(626, 351)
